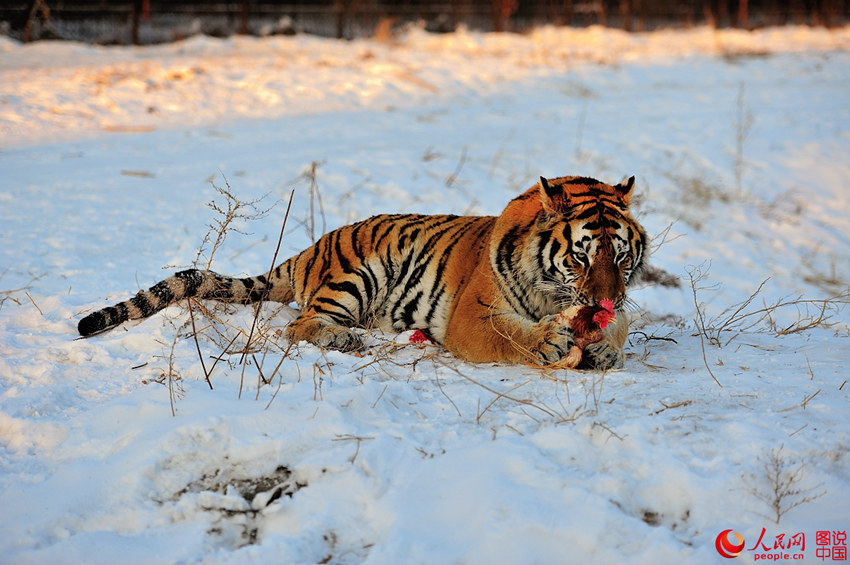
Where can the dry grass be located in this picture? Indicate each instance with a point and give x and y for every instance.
(10, 294)
(696, 194)
(170, 376)
(778, 484)
(229, 214)
(388, 357)
(310, 178)
(452, 179)
(824, 277)
(750, 315)
(265, 294)
(231, 340)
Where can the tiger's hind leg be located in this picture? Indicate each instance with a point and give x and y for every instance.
(323, 331)
(334, 299)
(328, 315)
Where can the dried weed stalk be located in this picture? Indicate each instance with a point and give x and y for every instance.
(266, 291)
(229, 214)
(310, 177)
(10, 294)
(260, 338)
(778, 485)
(696, 274)
(198, 345)
(170, 376)
(451, 180)
(499, 395)
(747, 316)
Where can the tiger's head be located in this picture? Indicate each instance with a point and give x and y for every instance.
(580, 243)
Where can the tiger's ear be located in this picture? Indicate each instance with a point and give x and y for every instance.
(625, 188)
(548, 195)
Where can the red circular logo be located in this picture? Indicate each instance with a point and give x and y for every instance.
(727, 548)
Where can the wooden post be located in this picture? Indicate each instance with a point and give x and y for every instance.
(626, 11)
(243, 18)
(722, 12)
(502, 10)
(340, 9)
(135, 16)
(743, 14)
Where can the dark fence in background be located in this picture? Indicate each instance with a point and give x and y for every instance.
(152, 21)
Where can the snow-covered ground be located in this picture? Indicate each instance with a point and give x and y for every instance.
(741, 146)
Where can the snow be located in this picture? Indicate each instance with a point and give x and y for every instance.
(107, 159)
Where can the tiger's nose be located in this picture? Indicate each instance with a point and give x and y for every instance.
(604, 281)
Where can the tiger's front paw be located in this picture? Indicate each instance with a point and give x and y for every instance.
(557, 345)
(602, 357)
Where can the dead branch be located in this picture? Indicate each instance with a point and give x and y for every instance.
(452, 178)
(265, 292)
(232, 211)
(198, 345)
(777, 485)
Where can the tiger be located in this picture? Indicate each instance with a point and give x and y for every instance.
(487, 288)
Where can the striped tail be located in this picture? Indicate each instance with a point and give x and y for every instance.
(192, 283)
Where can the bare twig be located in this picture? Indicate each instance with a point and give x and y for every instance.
(265, 292)
(310, 175)
(8, 294)
(738, 319)
(440, 386)
(674, 405)
(316, 195)
(742, 317)
(452, 178)
(169, 376)
(658, 240)
(647, 338)
(699, 319)
(380, 396)
(217, 359)
(259, 373)
(280, 380)
(357, 439)
(781, 475)
(497, 157)
(34, 304)
(198, 345)
(499, 395)
(233, 210)
(607, 429)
